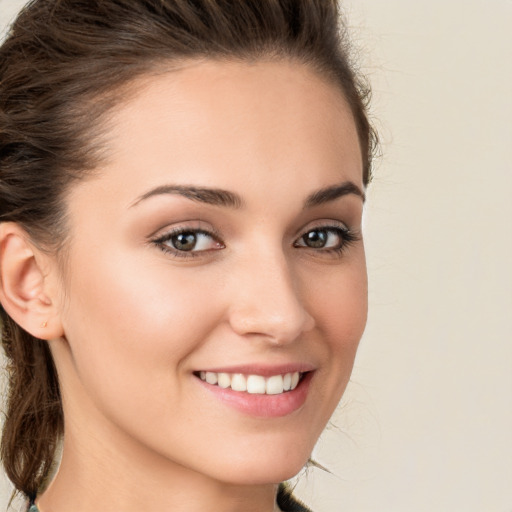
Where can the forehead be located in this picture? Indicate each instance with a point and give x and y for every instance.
(230, 124)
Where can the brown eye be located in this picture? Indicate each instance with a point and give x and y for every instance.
(315, 239)
(184, 241)
(328, 238)
(190, 241)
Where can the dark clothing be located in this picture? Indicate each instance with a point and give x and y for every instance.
(287, 503)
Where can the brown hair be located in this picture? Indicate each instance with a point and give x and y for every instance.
(61, 71)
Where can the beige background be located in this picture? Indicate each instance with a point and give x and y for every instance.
(426, 423)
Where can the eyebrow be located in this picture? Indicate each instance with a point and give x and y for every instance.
(327, 194)
(213, 196)
(219, 197)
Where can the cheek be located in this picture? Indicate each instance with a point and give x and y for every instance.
(339, 302)
(132, 323)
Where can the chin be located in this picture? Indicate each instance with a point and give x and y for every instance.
(270, 466)
(264, 476)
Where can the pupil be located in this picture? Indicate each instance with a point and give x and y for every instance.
(184, 241)
(315, 239)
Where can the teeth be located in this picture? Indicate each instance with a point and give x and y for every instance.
(210, 377)
(274, 385)
(287, 382)
(254, 384)
(224, 380)
(238, 382)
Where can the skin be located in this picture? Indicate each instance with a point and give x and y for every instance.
(136, 321)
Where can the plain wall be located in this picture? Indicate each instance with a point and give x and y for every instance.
(426, 423)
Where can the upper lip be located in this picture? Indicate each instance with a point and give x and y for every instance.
(263, 370)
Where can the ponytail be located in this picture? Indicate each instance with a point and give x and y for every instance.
(33, 422)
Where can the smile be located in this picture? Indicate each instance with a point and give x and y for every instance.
(253, 384)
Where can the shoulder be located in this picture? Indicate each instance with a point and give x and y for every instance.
(286, 501)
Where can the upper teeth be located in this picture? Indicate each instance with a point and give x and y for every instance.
(255, 384)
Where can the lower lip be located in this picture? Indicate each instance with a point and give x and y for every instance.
(264, 406)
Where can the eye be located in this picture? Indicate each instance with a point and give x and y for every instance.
(327, 239)
(191, 241)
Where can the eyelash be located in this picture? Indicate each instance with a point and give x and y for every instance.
(347, 238)
(160, 242)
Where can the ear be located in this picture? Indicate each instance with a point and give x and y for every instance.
(24, 290)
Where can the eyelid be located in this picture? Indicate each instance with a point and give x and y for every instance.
(322, 224)
(194, 225)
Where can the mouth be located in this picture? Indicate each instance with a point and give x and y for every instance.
(252, 383)
(261, 392)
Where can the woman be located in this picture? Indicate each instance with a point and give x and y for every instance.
(183, 281)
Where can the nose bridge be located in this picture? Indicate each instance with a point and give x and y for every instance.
(268, 301)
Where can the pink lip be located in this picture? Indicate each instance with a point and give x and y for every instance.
(263, 406)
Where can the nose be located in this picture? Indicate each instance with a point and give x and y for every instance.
(267, 302)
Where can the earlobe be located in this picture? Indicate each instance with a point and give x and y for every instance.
(23, 286)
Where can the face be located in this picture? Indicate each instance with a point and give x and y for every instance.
(215, 262)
